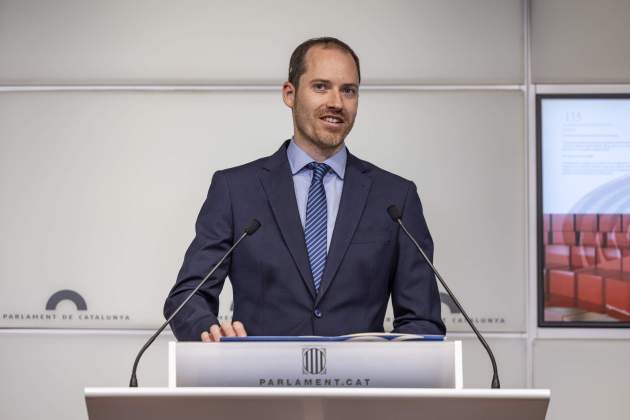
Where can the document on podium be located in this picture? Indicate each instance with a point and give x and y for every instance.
(361, 337)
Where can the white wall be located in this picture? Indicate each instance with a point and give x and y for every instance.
(580, 41)
(114, 115)
(248, 41)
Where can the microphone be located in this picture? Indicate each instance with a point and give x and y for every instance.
(396, 216)
(250, 229)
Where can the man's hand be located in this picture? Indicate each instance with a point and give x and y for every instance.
(236, 329)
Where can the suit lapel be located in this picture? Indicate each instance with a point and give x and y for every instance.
(277, 182)
(356, 186)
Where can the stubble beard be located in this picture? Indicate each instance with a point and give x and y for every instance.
(322, 139)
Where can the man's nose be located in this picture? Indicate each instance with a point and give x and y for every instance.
(334, 99)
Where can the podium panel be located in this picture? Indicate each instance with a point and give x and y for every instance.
(413, 364)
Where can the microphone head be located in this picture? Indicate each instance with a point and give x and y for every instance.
(394, 213)
(252, 227)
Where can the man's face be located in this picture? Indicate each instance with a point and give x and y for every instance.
(325, 103)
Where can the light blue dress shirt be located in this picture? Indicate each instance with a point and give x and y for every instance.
(333, 183)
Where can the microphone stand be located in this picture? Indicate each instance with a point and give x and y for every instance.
(249, 230)
(396, 215)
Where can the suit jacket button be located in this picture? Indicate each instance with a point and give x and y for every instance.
(317, 313)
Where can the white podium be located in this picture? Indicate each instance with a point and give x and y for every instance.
(436, 396)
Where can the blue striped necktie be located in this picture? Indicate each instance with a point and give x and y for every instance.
(316, 222)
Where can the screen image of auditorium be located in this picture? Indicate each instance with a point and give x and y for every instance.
(583, 182)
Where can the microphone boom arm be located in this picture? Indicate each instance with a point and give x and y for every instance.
(495, 374)
(249, 230)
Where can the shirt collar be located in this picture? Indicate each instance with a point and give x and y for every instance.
(298, 159)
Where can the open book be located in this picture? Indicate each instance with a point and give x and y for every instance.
(360, 337)
(390, 337)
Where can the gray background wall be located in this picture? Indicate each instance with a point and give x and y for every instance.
(114, 115)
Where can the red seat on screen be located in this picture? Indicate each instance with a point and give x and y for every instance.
(583, 257)
(562, 223)
(590, 238)
(590, 290)
(609, 259)
(617, 294)
(586, 222)
(561, 283)
(557, 256)
(563, 238)
(609, 222)
(625, 260)
(618, 239)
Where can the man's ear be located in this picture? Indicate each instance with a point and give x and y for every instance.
(288, 94)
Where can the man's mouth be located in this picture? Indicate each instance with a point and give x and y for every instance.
(332, 119)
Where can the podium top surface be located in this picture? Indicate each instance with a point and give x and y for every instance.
(305, 392)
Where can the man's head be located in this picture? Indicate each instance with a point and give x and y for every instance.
(323, 93)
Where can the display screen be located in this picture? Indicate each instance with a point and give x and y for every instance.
(584, 210)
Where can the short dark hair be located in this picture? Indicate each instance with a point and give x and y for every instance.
(297, 64)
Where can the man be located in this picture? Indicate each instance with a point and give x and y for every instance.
(327, 256)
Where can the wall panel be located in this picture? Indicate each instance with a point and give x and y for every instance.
(510, 357)
(197, 41)
(102, 190)
(580, 41)
(587, 378)
(43, 374)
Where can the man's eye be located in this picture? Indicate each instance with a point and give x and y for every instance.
(319, 86)
(349, 91)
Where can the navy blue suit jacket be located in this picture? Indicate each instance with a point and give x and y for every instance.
(369, 257)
